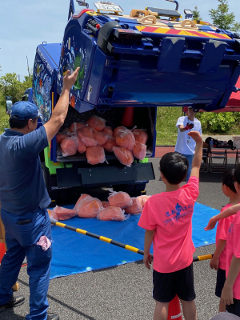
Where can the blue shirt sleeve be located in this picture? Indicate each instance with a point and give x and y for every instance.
(31, 144)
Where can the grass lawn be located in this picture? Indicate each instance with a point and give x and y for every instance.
(166, 125)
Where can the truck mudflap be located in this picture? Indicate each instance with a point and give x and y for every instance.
(104, 176)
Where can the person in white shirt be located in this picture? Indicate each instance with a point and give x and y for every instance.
(185, 144)
(8, 105)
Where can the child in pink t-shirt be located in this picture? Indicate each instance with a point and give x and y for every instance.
(167, 219)
(218, 261)
(231, 290)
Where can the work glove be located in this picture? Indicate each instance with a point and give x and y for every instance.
(189, 126)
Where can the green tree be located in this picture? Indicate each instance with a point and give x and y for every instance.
(10, 86)
(222, 18)
(196, 14)
(27, 82)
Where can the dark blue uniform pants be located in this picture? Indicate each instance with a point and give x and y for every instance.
(21, 241)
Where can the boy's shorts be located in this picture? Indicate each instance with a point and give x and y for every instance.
(234, 308)
(221, 278)
(167, 285)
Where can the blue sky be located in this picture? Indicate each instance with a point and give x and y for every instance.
(25, 24)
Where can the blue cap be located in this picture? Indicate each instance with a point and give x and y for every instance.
(24, 110)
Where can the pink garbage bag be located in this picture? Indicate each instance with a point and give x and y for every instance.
(135, 208)
(75, 126)
(81, 146)
(96, 123)
(69, 146)
(89, 207)
(123, 155)
(143, 199)
(60, 136)
(111, 142)
(108, 130)
(105, 204)
(139, 150)
(119, 130)
(95, 155)
(83, 196)
(140, 135)
(86, 135)
(120, 199)
(52, 214)
(101, 137)
(111, 214)
(64, 213)
(125, 139)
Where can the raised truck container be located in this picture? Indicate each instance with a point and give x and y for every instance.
(129, 66)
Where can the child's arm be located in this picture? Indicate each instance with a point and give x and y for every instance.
(197, 159)
(147, 259)
(224, 214)
(215, 259)
(227, 291)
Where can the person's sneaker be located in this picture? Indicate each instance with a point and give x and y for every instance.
(13, 302)
(52, 317)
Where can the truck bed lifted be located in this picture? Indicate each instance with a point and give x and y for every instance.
(143, 60)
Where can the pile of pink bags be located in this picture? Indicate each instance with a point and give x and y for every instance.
(94, 138)
(114, 209)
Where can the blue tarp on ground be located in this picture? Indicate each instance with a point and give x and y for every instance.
(77, 253)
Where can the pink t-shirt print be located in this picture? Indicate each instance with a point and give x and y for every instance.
(170, 215)
(222, 231)
(233, 248)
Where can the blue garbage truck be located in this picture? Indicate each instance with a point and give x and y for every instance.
(149, 58)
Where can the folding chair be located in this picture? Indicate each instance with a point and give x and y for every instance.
(216, 154)
(205, 161)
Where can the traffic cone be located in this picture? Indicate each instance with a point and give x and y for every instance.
(2, 250)
(127, 119)
(174, 309)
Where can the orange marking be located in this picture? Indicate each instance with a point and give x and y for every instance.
(173, 31)
(190, 33)
(221, 36)
(140, 28)
(149, 29)
(161, 30)
(72, 101)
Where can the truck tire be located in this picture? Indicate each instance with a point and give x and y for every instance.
(134, 190)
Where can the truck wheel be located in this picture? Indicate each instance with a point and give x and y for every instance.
(50, 181)
(134, 190)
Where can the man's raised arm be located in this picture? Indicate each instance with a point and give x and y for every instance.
(60, 111)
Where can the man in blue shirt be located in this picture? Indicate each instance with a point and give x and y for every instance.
(24, 200)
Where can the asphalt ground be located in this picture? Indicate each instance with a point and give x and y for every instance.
(124, 292)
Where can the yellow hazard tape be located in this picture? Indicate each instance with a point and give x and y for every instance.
(131, 248)
(105, 239)
(205, 257)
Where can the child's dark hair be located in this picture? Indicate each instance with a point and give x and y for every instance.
(228, 179)
(174, 167)
(237, 174)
